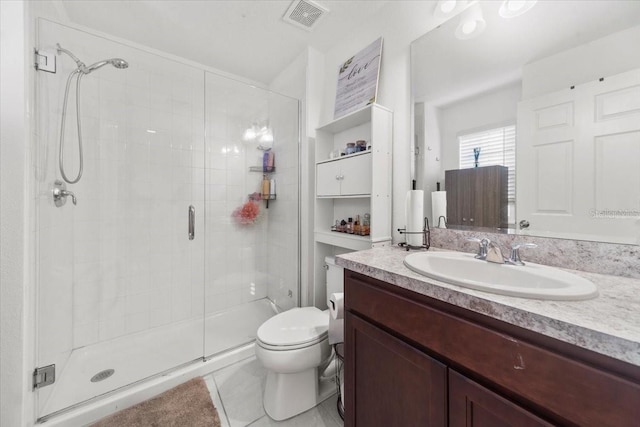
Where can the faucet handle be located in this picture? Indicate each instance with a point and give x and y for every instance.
(482, 248)
(514, 258)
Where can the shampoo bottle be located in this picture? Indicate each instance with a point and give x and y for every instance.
(265, 187)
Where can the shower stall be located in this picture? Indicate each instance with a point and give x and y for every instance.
(157, 266)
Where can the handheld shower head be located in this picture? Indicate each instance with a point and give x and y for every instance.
(119, 63)
(116, 62)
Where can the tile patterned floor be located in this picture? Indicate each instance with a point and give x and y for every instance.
(237, 393)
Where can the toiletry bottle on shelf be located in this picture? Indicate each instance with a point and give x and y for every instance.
(272, 189)
(350, 226)
(366, 225)
(343, 226)
(265, 187)
(356, 225)
(271, 161)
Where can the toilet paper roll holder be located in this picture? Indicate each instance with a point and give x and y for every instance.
(426, 236)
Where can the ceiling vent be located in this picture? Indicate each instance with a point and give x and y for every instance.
(304, 14)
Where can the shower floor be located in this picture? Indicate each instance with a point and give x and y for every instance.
(142, 355)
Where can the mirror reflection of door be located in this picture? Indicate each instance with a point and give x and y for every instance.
(579, 156)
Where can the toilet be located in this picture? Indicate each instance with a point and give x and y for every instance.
(294, 348)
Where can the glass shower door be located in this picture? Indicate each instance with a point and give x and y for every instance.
(252, 201)
(120, 282)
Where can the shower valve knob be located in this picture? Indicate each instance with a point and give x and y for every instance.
(60, 194)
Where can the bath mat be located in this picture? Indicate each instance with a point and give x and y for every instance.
(188, 404)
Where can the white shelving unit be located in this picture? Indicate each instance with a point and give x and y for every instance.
(351, 185)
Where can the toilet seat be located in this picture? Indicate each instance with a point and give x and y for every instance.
(294, 329)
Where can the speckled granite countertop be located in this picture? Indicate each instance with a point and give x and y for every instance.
(608, 324)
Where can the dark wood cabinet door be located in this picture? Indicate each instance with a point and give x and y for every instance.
(490, 187)
(472, 405)
(389, 383)
(477, 197)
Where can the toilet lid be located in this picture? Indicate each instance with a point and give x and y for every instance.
(295, 326)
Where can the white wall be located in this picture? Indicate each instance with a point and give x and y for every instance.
(493, 109)
(604, 57)
(432, 158)
(399, 23)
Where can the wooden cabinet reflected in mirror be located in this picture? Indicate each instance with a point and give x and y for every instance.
(477, 196)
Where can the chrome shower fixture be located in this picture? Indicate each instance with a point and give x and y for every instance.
(116, 62)
(79, 72)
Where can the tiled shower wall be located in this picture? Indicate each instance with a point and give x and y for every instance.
(236, 254)
(282, 234)
(240, 263)
(120, 261)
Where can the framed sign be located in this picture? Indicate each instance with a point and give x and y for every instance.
(358, 80)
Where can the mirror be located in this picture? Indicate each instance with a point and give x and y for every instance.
(566, 75)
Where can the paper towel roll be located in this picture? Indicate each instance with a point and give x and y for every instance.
(415, 216)
(336, 305)
(439, 207)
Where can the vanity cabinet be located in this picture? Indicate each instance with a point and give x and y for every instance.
(355, 184)
(384, 370)
(398, 344)
(477, 197)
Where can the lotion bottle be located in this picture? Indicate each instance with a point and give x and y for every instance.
(265, 187)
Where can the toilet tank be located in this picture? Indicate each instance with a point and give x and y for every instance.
(335, 277)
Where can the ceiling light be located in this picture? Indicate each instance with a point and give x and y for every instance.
(512, 8)
(445, 9)
(472, 23)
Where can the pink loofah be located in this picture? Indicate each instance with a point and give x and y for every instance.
(247, 214)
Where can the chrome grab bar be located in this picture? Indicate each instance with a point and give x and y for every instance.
(192, 222)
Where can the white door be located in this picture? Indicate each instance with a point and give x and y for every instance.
(578, 158)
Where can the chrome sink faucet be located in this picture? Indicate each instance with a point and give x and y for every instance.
(489, 251)
(482, 248)
(514, 258)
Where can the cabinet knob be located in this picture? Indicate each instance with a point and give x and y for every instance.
(471, 219)
(464, 219)
(338, 177)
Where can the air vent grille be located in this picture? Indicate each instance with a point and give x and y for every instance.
(304, 14)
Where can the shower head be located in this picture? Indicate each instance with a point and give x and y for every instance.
(116, 62)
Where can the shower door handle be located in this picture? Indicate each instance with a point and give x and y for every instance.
(192, 222)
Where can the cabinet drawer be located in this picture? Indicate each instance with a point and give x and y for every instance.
(560, 387)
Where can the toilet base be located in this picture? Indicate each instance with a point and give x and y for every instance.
(287, 395)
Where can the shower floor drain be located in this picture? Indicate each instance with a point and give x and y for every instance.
(102, 375)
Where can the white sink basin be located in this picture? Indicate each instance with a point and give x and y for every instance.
(528, 281)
